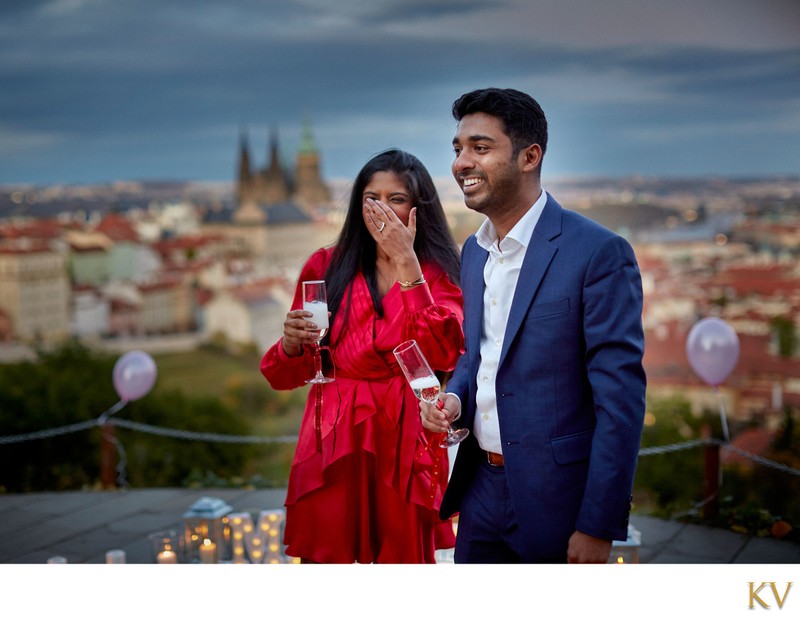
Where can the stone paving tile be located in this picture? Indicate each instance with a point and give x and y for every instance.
(769, 551)
(82, 526)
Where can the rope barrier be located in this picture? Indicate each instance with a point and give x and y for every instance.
(289, 439)
(670, 448)
(207, 437)
(764, 462)
(47, 433)
(162, 431)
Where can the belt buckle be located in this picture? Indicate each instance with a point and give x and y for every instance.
(490, 455)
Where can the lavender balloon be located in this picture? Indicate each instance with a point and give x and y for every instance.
(134, 375)
(713, 350)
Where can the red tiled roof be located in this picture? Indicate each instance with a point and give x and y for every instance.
(118, 228)
(45, 229)
(118, 306)
(185, 242)
(88, 248)
(165, 283)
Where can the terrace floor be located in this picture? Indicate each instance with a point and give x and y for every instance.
(82, 526)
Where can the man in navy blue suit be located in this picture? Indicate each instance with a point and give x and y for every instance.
(551, 383)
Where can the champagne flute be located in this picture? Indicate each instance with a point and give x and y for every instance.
(315, 300)
(424, 383)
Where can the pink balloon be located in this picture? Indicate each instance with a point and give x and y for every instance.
(713, 350)
(134, 375)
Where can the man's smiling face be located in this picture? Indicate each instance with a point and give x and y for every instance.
(484, 166)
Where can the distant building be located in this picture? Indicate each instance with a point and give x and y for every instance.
(124, 318)
(165, 307)
(248, 314)
(88, 263)
(91, 312)
(34, 292)
(128, 257)
(276, 185)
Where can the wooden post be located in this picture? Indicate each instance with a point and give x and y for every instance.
(711, 482)
(108, 455)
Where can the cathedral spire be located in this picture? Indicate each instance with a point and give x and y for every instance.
(307, 145)
(244, 159)
(273, 158)
(312, 193)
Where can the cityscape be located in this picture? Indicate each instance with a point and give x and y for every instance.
(168, 265)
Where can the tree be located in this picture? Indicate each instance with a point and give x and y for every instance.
(72, 384)
(672, 480)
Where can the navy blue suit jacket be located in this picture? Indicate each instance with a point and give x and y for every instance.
(570, 383)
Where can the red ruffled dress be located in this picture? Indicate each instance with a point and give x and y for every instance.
(372, 494)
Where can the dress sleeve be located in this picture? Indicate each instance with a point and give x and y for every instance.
(279, 369)
(434, 313)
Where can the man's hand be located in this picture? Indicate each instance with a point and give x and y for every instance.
(586, 549)
(437, 416)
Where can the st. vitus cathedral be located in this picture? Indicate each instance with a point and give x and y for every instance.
(258, 191)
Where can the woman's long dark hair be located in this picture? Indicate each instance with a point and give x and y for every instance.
(356, 250)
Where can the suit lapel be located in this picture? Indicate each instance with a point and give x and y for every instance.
(540, 253)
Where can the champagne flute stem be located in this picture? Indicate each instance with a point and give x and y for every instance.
(440, 405)
(318, 359)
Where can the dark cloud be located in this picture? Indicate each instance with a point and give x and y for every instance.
(99, 89)
(16, 7)
(421, 10)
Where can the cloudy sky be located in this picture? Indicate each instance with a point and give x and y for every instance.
(102, 90)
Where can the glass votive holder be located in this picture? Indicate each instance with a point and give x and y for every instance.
(115, 556)
(165, 546)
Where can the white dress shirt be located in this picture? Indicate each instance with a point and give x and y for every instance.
(500, 275)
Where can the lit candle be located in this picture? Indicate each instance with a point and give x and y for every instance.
(115, 556)
(208, 552)
(167, 557)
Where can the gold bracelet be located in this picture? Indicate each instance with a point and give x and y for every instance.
(414, 283)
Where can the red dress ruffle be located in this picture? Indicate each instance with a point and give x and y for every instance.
(372, 494)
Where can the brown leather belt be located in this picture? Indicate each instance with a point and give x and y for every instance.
(494, 459)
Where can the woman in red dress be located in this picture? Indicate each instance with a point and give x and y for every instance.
(367, 480)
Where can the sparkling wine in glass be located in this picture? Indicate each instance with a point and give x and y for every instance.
(424, 383)
(315, 300)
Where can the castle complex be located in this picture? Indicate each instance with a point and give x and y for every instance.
(275, 189)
